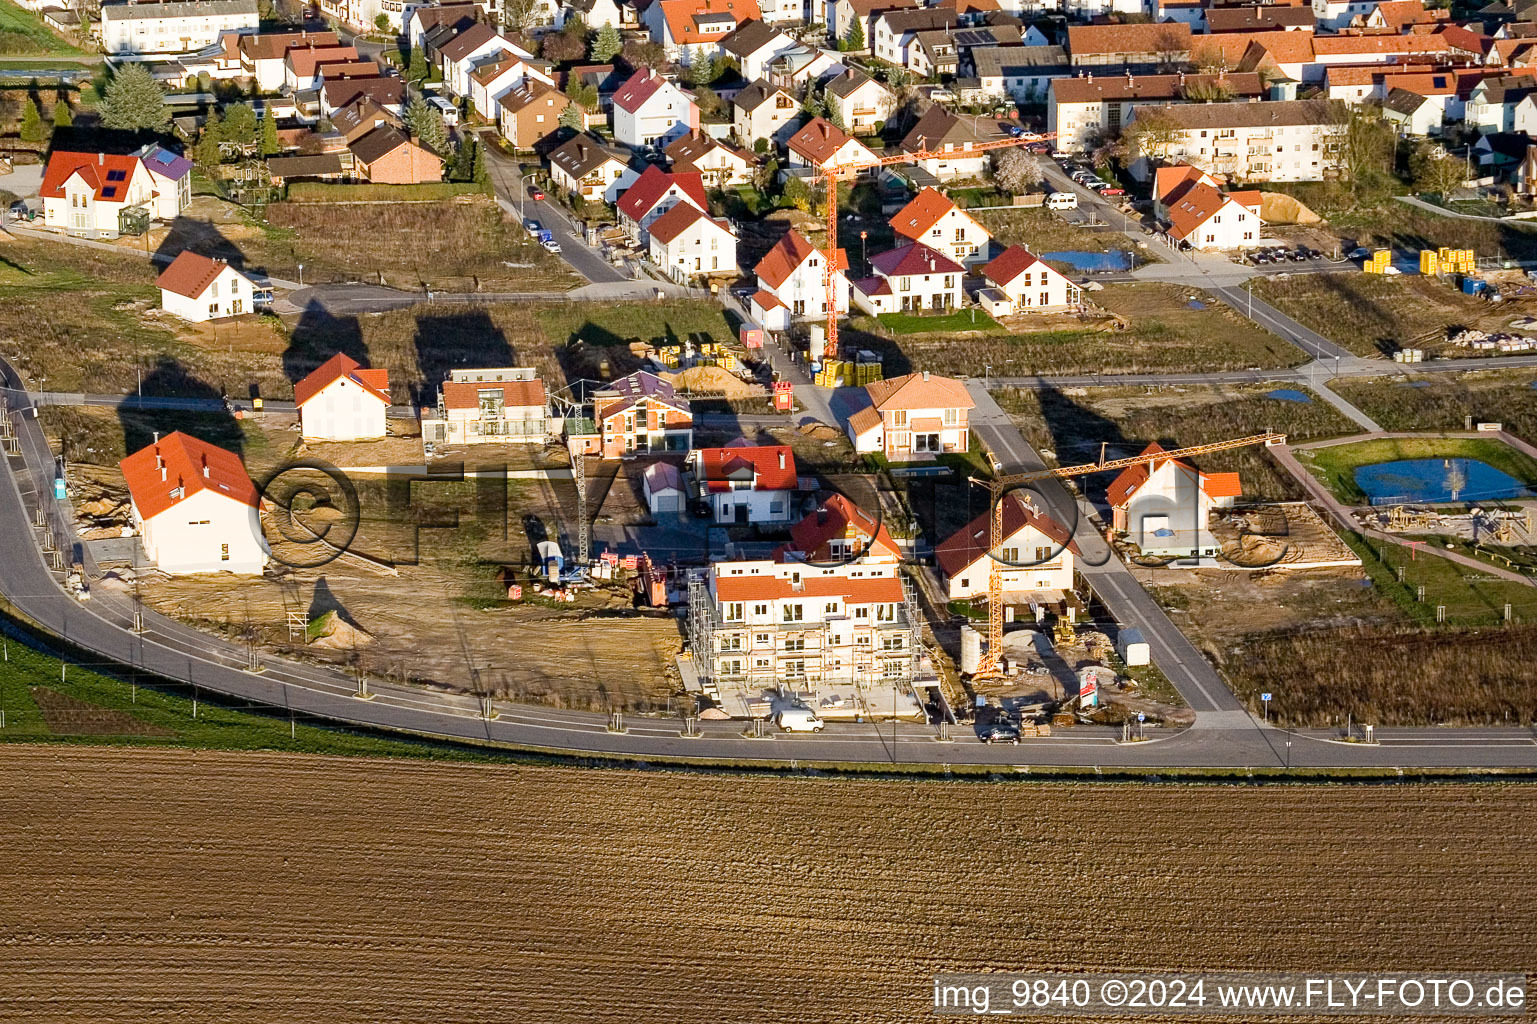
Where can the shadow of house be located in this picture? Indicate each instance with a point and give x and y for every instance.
(467, 339)
(93, 137)
(317, 337)
(324, 600)
(211, 421)
(1077, 434)
(203, 237)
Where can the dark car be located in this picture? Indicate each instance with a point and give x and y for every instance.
(1001, 731)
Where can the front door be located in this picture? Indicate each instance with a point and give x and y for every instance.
(741, 514)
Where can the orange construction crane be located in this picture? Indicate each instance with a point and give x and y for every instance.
(843, 172)
(997, 487)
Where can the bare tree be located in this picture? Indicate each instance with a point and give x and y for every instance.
(1172, 49)
(1363, 142)
(1016, 172)
(1153, 133)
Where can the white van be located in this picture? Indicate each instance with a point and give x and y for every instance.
(1062, 201)
(798, 720)
(448, 110)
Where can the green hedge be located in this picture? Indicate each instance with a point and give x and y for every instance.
(321, 192)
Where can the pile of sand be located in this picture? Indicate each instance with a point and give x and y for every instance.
(1279, 208)
(820, 431)
(335, 633)
(711, 380)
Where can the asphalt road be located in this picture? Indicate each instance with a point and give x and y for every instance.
(510, 193)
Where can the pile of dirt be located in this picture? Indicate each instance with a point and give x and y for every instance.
(1279, 208)
(333, 632)
(820, 431)
(711, 380)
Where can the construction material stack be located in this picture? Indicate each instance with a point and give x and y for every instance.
(1446, 261)
(1378, 262)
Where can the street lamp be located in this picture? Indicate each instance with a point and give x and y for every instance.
(301, 275)
(864, 250)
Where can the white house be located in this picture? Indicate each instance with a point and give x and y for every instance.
(858, 102)
(651, 111)
(262, 55)
(87, 193)
(916, 416)
(200, 289)
(949, 138)
(931, 218)
(753, 45)
(184, 26)
(462, 54)
(1164, 506)
(691, 28)
(793, 272)
(822, 144)
(911, 277)
(342, 401)
(170, 175)
(763, 111)
(584, 164)
(687, 243)
(1200, 216)
(495, 77)
(302, 64)
(504, 404)
(194, 507)
(720, 165)
(744, 483)
(1034, 557)
(1020, 282)
(654, 193)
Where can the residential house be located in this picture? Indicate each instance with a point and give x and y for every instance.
(1405, 16)
(746, 484)
(649, 110)
(597, 13)
(1196, 214)
(858, 102)
(388, 93)
(89, 193)
(654, 193)
(911, 277)
(505, 405)
(358, 118)
(753, 45)
(530, 112)
(821, 144)
(794, 273)
(914, 416)
(763, 111)
(586, 165)
(495, 78)
(1164, 506)
(198, 289)
(1080, 110)
(455, 17)
(340, 400)
(1259, 18)
(1491, 106)
(1290, 140)
(1375, 49)
(1146, 45)
(170, 175)
(179, 26)
(941, 52)
(465, 51)
(388, 156)
(945, 136)
(1018, 281)
(719, 164)
(931, 218)
(301, 64)
(687, 243)
(262, 56)
(641, 413)
(692, 28)
(1034, 558)
(802, 67)
(194, 507)
(1021, 73)
(839, 17)
(1413, 113)
(897, 30)
(1333, 15)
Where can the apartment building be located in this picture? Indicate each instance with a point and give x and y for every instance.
(1292, 140)
(1080, 109)
(177, 27)
(500, 404)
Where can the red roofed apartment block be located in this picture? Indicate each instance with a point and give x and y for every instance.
(195, 507)
(745, 484)
(341, 401)
(1165, 506)
(198, 288)
(504, 404)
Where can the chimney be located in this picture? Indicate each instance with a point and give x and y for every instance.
(925, 375)
(162, 472)
(781, 460)
(205, 467)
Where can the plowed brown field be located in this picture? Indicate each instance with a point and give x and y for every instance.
(162, 885)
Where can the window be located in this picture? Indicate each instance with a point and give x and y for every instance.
(831, 608)
(760, 610)
(899, 418)
(733, 611)
(952, 416)
(797, 644)
(793, 613)
(731, 642)
(224, 552)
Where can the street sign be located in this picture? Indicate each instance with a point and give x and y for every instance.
(1141, 717)
(1264, 696)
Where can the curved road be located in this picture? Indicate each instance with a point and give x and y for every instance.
(105, 626)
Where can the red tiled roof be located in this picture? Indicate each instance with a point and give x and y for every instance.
(1192, 206)
(767, 300)
(515, 393)
(190, 466)
(305, 59)
(190, 274)
(919, 391)
(789, 253)
(1167, 179)
(1325, 46)
(1221, 485)
(678, 219)
(771, 467)
(914, 258)
(692, 21)
(640, 87)
(1010, 263)
(833, 520)
(923, 212)
(1150, 38)
(970, 542)
(868, 590)
(648, 190)
(107, 173)
(374, 382)
(1216, 485)
(820, 140)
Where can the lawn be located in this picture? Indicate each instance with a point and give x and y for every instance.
(78, 704)
(1335, 465)
(1165, 334)
(1043, 231)
(1075, 422)
(1444, 401)
(1371, 315)
(23, 34)
(955, 322)
(617, 324)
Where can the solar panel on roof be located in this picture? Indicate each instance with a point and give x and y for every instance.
(116, 175)
(109, 192)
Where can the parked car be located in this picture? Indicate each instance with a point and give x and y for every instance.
(536, 194)
(533, 227)
(1062, 201)
(1112, 191)
(1015, 131)
(798, 720)
(550, 245)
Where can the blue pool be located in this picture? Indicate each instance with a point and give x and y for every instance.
(1288, 395)
(1436, 480)
(1092, 262)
